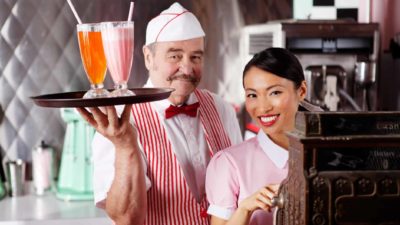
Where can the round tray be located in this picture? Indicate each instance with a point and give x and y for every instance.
(74, 99)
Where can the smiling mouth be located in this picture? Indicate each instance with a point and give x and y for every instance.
(268, 120)
(183, 77)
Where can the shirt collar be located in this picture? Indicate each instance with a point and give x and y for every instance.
(276, 153)
(161, 105)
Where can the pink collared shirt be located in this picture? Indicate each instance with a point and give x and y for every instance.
(239, 171)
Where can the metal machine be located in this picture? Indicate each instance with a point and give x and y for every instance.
(344, 168)
(339, 58)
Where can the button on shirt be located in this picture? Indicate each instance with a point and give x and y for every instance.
(187, 139)
(238, 172)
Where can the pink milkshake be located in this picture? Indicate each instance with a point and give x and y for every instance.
(118, 43)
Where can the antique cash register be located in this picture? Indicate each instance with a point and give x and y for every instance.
(344, 168)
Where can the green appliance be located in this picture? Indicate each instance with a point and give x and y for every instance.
(3, 191)
(76, 168)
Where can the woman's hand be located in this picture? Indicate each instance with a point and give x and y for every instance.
(262, 199)
(117, 129)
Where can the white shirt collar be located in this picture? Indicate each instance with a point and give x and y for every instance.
(276, 153)
(161, 105)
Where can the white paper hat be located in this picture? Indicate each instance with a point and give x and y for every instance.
(173, 24)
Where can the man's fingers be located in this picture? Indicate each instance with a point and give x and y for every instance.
(86, 115)
(106, 120)
(111, 116)
(126, 113)
(99, 118)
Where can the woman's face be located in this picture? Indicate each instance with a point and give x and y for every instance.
(272, 101)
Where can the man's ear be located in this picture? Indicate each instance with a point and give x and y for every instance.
(148, 57)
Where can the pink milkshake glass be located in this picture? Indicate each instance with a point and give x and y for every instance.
(118, 43)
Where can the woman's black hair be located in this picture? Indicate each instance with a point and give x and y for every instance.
(278, 61)
(282, 63)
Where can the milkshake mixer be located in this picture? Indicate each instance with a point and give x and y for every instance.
(75, 175)
(3, 191)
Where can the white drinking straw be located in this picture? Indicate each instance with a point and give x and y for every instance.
(74, 11)
(130, 11)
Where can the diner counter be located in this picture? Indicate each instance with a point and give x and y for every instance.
(47, 210)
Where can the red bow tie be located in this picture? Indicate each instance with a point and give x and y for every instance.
(190, 110)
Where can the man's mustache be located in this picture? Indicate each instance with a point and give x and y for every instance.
(183, 77)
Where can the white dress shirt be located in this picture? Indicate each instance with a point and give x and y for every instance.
(187, 139)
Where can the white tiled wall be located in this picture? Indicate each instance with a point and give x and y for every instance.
(304, 9)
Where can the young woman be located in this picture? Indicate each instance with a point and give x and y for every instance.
(242, 180)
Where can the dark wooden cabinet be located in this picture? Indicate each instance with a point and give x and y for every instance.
(343, 176)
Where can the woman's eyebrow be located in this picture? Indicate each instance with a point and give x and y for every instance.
(268, 88)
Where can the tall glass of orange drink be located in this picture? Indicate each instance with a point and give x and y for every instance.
(94, 61)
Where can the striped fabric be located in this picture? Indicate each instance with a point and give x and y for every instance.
(216, 135)
(170, 201)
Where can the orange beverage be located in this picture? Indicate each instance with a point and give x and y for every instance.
(92, 53)
(94, 61)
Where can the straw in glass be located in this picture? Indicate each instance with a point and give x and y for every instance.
(74, 11)
(131, 11)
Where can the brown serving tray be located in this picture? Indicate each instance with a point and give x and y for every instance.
(74, 99)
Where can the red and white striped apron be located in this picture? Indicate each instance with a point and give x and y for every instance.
(170, 200)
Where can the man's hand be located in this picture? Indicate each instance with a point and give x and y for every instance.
(106, 121)
(126, 201)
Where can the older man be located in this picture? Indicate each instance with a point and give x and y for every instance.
(154, 172)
